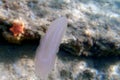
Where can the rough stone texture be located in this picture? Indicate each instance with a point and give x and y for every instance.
(93, 31)
(93, 26)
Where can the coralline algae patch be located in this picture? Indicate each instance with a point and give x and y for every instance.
(17, 32)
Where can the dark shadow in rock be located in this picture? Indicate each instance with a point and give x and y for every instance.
(100, 63)
(105, 62)
(9, 53)
(64, 56)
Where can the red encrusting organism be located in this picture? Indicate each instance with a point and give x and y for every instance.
(17, 27)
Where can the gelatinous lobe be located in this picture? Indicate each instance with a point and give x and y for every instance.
(49, 46)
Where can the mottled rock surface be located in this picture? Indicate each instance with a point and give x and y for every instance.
(89, 50)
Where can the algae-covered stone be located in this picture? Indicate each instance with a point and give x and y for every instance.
(93, 31)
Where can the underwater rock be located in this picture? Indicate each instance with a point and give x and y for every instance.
(95, 32)
(93, 36)
(91, 47)
(16, 32)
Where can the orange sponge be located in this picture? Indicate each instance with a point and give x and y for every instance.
(17, 27)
